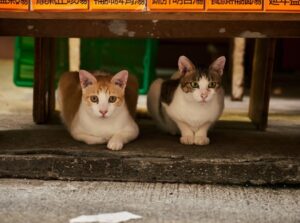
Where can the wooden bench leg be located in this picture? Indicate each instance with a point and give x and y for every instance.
(44, 73)
(51, 79)
(261, 82)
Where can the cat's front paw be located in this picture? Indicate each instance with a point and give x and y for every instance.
(202, 140)
(187, 139)
(115, 144)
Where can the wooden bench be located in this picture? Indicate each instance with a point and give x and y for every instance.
(46, 26)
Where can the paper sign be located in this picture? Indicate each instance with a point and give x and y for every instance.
(119, 5)
(59, 4)
(282, 5)
(106, 218)
(234, 5)
(15, 4)
(176, 5)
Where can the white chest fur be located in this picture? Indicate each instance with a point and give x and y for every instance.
(193, 113)
(103, 127)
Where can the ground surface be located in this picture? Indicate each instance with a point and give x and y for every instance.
(23, 201)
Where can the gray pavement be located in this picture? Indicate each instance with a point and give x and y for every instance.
(34, 201)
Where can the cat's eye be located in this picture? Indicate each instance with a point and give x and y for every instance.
(112, 99)
(94, 99)
(212, 84)
(194, 84)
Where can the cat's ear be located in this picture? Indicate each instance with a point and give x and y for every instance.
(120, 79)
(218, 65)
(185, 65)
(86, 79)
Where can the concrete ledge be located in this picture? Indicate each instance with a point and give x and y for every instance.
(237, 155)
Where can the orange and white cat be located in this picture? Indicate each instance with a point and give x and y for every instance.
(99, 108)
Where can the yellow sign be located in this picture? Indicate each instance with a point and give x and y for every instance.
(14, 5)
(119, 5)
(288, 6)
(176, 5)
(283, 5)
(59, 4)
(234, 5)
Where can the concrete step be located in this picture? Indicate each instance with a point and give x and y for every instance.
(238, 154)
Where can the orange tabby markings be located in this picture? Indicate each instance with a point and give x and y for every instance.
(99, 108)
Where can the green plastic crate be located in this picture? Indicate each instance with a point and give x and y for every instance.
(136, 55)
(24, 60)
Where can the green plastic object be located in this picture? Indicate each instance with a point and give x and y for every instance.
(136, 55)
(24, 60)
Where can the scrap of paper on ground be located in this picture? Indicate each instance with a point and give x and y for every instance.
(105, 218)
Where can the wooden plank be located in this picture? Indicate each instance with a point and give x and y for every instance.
(148, 28)
(261, 82)
(175, 16)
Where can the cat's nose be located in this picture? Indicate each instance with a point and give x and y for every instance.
(203, 96)
(103, 112)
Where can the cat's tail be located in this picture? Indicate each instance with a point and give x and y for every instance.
(156, 109)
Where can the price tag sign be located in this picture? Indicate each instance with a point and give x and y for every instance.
(176, 5)
(17, 5)
(283, 5)
(118, 5)
(237, 5)
(59, 5)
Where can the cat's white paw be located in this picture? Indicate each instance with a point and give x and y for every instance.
(187, 140)
(202, 140)
(115, 144)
